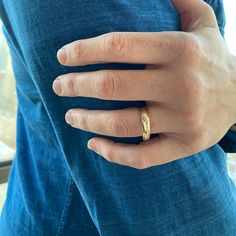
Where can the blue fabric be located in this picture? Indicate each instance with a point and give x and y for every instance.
(59, 187)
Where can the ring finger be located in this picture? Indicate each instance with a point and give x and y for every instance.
(123, 123)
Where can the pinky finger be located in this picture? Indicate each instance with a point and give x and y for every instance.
(156, 151)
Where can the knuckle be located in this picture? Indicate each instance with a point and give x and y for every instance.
(71, 86)
(117, 126)
(161, 44)
(137, 161)
(105, 84)
(193, 89)
(143, 164)
(116, 43)
(109, 154)
(78, 50)
(189, 47)
(84, 121)
(193, 120)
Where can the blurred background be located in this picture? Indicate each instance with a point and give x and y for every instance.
(8, 102)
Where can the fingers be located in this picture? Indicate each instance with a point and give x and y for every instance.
(125, 122)
(195, 14)
(148, 85)
(125, 47)
(155, 151)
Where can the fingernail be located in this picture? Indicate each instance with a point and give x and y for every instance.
(91, 145)
(57, 86)
(62, 55)
(70, 118)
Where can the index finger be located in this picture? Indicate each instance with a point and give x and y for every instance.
(126, 47)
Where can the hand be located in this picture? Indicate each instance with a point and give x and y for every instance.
(188, 87)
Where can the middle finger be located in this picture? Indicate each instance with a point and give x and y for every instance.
(132, 85)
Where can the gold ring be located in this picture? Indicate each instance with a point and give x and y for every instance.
(146, 129)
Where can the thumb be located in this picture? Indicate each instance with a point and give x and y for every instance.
(195, 14)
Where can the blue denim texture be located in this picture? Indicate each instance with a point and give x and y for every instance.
(59, 187)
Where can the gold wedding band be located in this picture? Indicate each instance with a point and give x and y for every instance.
(146, 129)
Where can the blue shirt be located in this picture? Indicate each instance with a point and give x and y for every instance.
(59, 187)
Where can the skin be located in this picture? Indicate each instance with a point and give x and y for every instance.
(188, 84)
